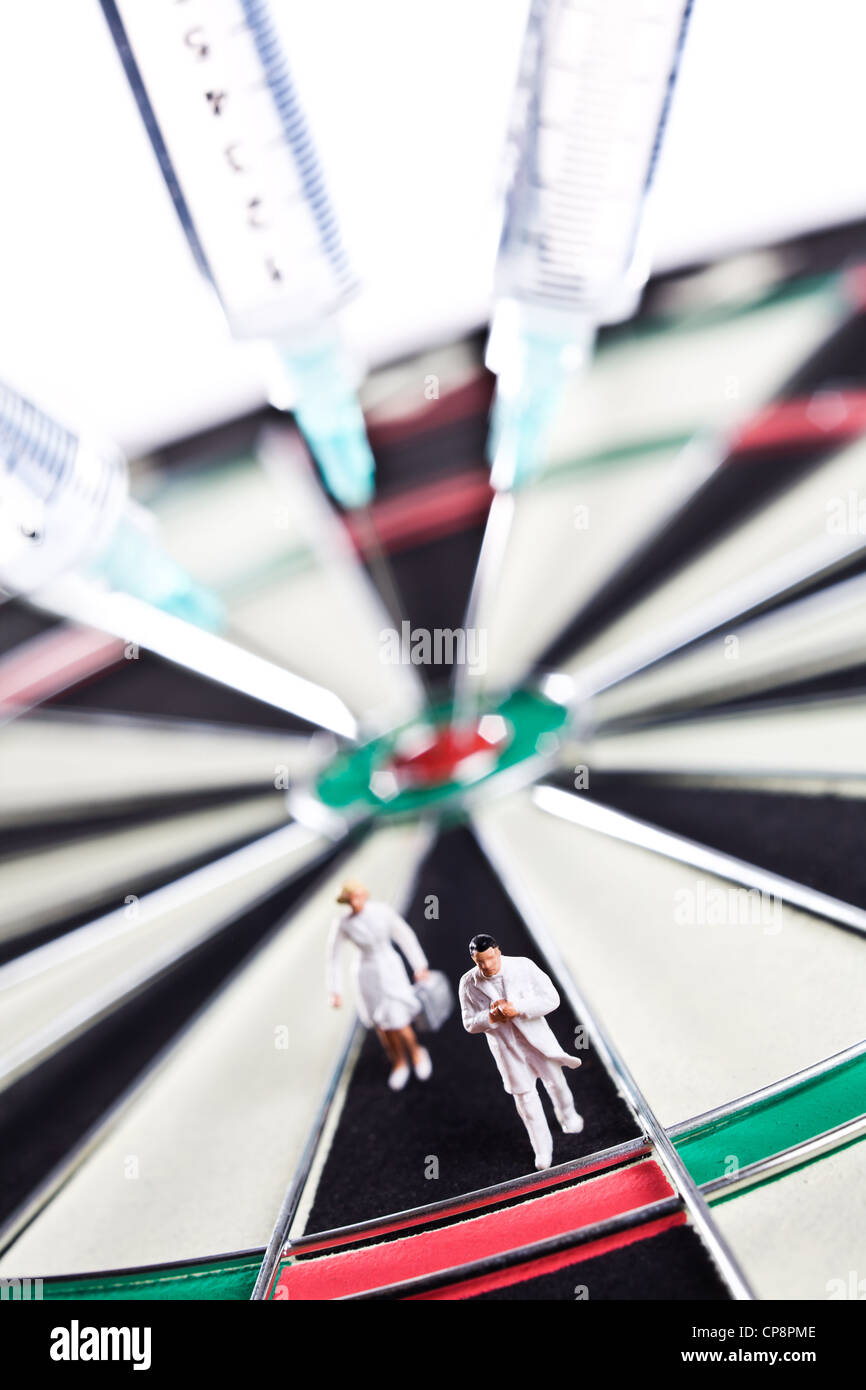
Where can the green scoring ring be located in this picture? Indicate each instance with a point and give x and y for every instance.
(535, 723)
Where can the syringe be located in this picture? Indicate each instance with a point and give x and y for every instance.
(217, 97)
(73, 542)
(65, 505)
(592, 97)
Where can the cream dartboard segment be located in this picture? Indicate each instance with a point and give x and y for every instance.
(657, 810)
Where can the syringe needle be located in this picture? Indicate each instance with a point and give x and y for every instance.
(468, 685)
(380, 567)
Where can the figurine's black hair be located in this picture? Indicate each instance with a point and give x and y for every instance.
(482, 942)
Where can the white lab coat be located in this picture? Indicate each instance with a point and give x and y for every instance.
(523, 1047)
(386, 998)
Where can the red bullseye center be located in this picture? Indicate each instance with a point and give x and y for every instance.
(448, 753)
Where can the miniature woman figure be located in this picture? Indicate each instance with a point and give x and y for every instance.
(386, 999)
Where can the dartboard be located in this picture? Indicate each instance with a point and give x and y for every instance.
(657, 800)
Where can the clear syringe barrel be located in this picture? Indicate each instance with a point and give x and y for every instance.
(217, 97)
(593, 91)
(592, 96)
(61, 496)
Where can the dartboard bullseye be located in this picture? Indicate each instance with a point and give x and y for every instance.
(433, 765)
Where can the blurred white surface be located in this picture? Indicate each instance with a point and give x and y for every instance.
(105, 320)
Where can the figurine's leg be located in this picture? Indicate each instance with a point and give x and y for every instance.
(385, 1040)
(418, 1055)
(529, 1109)
(556, 1086)
(408, 1042)
(399, 1059)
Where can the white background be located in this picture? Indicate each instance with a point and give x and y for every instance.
(103, 318)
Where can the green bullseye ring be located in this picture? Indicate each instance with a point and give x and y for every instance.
(535, 726)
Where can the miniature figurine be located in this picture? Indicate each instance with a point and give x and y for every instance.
(386, 999)
(506, 997)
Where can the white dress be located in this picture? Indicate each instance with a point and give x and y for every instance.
(386, 998)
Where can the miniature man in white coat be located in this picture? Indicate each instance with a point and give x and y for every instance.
(506, 997)
(386, 999)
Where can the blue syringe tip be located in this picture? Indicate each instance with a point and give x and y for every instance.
(338, 441)
(517, 439)
(197, 605)
(329, 414)
(532, 380)
(135, 563)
